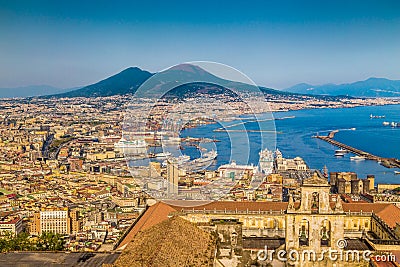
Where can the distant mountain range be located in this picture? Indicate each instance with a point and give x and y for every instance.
(33, 90)
(372, 87)
(130, 79)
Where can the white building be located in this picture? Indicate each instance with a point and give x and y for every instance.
(235, 171)
(14, 226)
(282, 164)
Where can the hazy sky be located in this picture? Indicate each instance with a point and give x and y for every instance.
(275, 43)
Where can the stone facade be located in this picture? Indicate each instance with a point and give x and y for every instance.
(317, 222)
(314, 225)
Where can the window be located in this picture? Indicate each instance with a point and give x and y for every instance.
(325, 233)
(315, 202)
(304, 233)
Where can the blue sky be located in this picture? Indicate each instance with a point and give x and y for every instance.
(276, 43)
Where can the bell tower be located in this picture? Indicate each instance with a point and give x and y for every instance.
(315, 223)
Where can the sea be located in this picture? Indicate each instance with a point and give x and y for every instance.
(294, 131)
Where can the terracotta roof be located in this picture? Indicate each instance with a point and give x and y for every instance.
(390, 215)
(13, 221)
(152, 216)
(389, 263)
(367, 207)
(239, 205)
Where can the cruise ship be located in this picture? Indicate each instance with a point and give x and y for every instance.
(181, 160)
(205, 160)
(266, 163)
(123, 143)
(206, 157)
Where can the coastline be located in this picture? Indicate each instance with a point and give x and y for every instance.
(351, 103)
(296, 138)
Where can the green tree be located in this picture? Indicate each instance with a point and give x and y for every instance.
(50, 241)
(22, 242)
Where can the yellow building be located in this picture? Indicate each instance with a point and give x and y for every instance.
(59, 220)
(314, 223)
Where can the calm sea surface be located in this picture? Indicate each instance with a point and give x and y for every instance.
(294, 138)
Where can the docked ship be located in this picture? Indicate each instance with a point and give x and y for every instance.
(123, 143)
(181, 160)
(340, 152)
(205, 160)
(377, 116)
(357, 158)
(266, 162)
(163, 155)
(206, 157)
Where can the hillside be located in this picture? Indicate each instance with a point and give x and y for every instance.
(124, 82)
(372, 87)
(130, 79)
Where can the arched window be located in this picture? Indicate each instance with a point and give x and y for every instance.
(315, 202)
(304, 232)
(325, 233)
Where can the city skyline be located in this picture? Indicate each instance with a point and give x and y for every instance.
(276, 44)
(151, 134)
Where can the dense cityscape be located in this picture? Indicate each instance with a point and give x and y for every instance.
(64, 171)
(199, 133)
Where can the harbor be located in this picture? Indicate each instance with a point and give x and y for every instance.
(386, 162)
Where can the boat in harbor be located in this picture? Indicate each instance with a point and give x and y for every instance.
(163, 155)
(377, 116)
(123, 143)
(205, 160)
(357, 158)
(396, 172)
(386, 123)
(181, 160)
(206, 157)
(340, 152)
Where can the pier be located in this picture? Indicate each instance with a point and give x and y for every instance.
(387, 162)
